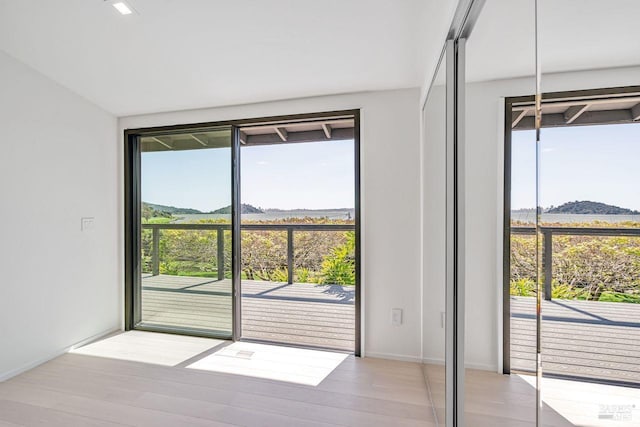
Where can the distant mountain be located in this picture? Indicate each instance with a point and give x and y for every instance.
(590, 208)
(154, 210)
(169, 209)
(244, 208)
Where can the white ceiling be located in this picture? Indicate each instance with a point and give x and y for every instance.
(573, 35)
(180, 54)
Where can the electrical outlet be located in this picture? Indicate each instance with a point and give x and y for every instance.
(396, 316)
(87, 223)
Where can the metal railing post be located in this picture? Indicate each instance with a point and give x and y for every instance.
(155, 252)
(547, 262)
(289, 255)
(220, 244)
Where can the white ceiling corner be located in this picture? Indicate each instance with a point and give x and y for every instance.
(182, 54)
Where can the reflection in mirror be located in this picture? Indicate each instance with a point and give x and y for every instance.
(590, 202)
(433, 158)
(500, 198)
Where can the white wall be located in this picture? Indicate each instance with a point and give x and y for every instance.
(390, 202)
(434, 222)
(484, 174)
(58, 286)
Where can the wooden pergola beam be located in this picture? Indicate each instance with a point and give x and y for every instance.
(327, 130)
(282, 133)
(204, 144)
(635, 112)
(339, 134)
(553, 120)
(162, 143)
(243, 138)
(574, 112)
(516, 117)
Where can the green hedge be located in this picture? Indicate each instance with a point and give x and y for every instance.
(324, 257)
(584, 267)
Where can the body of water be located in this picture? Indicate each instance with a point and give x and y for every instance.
(530, 217)
(274, 215)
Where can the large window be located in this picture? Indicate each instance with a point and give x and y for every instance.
(246, 230)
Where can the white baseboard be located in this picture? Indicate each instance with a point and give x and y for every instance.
(432, 361)
(28, 366)
(482, 366)
(392, 356)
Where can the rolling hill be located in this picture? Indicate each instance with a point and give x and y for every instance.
(590, 208)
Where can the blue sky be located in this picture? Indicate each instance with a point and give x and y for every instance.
(307, 175)
(597, 163)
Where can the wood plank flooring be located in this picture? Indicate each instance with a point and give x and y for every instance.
(101, 387)
(495, 400)
(299, 314)
(587, 339)
(79, 390)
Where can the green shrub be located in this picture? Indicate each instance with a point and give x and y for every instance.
(523, 287)
(339, 267)
(318, 255)
(596, 268)
(565, 291)
(279, 275)
(302, 275)
(619, 297)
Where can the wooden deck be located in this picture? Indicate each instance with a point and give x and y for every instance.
(587, 339)
(299, 314)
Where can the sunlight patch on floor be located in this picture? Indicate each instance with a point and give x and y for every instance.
(294, 365)
(589, 404)
(149, 347)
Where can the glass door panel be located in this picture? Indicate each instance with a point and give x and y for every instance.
(589, 203)
(435, 327)
(498, 88)
(184, 283)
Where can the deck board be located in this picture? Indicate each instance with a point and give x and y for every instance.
(586, 339)
(299, 314)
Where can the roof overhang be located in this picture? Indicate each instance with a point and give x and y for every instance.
(582, 111)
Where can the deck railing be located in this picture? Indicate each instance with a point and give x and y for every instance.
(547, 248)
(221, 228)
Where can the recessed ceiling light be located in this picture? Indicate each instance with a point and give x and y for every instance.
(123, 8)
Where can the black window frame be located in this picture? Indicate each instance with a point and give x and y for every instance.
(132, 214)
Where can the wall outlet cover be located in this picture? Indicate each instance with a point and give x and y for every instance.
(87, 223)
(396, 316)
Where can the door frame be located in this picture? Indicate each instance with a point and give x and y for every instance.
(132, 214)
(133, 220)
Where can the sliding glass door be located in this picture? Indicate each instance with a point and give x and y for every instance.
(181, 221)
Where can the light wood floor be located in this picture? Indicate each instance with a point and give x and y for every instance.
(300, 313)
(494, 400)
(79, 390)
(147, 379)
(491, 400)
(587, 339)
